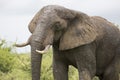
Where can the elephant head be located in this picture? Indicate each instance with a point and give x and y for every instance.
(58, 24)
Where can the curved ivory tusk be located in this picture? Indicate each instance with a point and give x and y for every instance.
(24, 44)
(43, 51)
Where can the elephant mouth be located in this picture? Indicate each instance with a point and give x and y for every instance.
(45, 50)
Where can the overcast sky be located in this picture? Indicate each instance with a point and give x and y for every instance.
(15, 15)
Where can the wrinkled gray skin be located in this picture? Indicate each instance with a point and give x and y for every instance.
(91, 44)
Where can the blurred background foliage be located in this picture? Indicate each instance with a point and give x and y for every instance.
(14, 66)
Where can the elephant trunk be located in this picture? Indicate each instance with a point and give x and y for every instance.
(38, 42)
(36, 60)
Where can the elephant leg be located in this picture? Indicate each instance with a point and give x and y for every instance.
(86, 62)
(60, 71)
(60, 67)
(111, 73)
(84, 75)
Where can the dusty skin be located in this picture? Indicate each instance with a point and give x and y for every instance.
(89, 43)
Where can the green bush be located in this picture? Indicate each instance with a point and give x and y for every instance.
(4, 46)
(23, 60)
(15, 74)
(6, 61)
(73, 73)
(13, 66)
(6, 57)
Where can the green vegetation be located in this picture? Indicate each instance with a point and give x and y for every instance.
(15, 66)
(6, 58)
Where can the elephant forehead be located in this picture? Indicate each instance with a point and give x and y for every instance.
(46, 13)
(52, 7)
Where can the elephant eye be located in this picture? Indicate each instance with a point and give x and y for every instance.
(57, 26)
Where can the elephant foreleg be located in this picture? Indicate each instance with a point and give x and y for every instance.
(60, 71)
(84, 75)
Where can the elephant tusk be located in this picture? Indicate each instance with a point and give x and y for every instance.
(43, 51)
(22, 45)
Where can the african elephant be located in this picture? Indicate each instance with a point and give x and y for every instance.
(89, 43)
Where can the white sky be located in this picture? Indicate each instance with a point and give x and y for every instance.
(15, 15)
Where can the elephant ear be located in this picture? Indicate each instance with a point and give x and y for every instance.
(81, 31)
